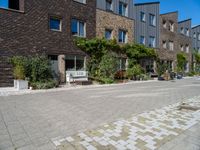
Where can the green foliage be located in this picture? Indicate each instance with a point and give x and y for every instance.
(103, 54)
(36, 69)
(18, 63)
(161, 68)
(45, 84)
(19, 72)
(181, 61)
(108, 66)
(136, 52)
(134, 72)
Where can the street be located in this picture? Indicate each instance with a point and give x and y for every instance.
(33, 121)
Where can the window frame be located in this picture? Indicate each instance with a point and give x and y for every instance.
(152, 22)
(109, 30)
(126, 9)
(111, 5)
(78, 21)
(55, 18)
(126, 37)
(153, 45)
(142, 16)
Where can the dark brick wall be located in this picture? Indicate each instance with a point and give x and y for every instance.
(27, 33)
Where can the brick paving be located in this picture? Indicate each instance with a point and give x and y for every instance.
(146, 131)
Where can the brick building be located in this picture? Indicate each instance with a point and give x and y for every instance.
(47, 27)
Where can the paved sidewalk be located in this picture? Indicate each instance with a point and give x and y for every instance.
(189, 140)
(146, 131)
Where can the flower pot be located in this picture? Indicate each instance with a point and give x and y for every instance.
(20, 84)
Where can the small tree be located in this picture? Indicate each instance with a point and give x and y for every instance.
(181, 62)
(108, 66)
(134, 72)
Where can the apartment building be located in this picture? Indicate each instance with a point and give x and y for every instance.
(114, 20)
(185, 41)
(195, 43)
(47, 27)
(168, 39)
(196, 38)
(147, 29)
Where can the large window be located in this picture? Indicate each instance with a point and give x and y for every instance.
(152, 41)
(109, 5)
(171, 26)
(164, 44)
(108, 34)
(78, 28)
(123, 9)
(164, 24)
(171, 45)
(122, 37)
(194, 35)
(75, 63)
(187, 48)
(55, 24)
(11, 4)
(182, 30)
(142, 40)
(187, 32)
(152, 20)
(199, 36)
(182, 48)
(142, 16)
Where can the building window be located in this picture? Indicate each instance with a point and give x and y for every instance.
(78, 28)
(108, 34)
(142, 16)
(12, 4)
(187, 48)
(123, 9)
(164, 24)
(171, 45)
(152, 41)
(199, 36)
(194, 35)
(182, 30)
(142, 40)
(109, 6)
(187, 32)
(182, 48)
(152, 20)
(164, 43)
(55, 24)
(122, 37)
(171, 26)
(75, 63)
(81, 1)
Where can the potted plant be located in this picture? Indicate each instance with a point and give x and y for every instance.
(19, 74)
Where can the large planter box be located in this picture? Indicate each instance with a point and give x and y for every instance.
(21, 84)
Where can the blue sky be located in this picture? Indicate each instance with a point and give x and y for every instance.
(187, 8)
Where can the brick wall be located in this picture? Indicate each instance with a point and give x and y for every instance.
(24, 33)
(108, 20)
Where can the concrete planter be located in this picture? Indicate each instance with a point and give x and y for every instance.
(20, 84)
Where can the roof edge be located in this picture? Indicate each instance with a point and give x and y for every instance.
(170, 12)
(147, 3)
(185, 20)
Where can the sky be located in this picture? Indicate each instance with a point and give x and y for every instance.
(187, 8)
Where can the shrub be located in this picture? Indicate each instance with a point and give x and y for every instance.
(45, 84)
(108, 66)
(181, 61)
(106, 80)
(19, 72)
(134, 72)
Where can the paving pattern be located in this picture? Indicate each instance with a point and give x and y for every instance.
(146, 131)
